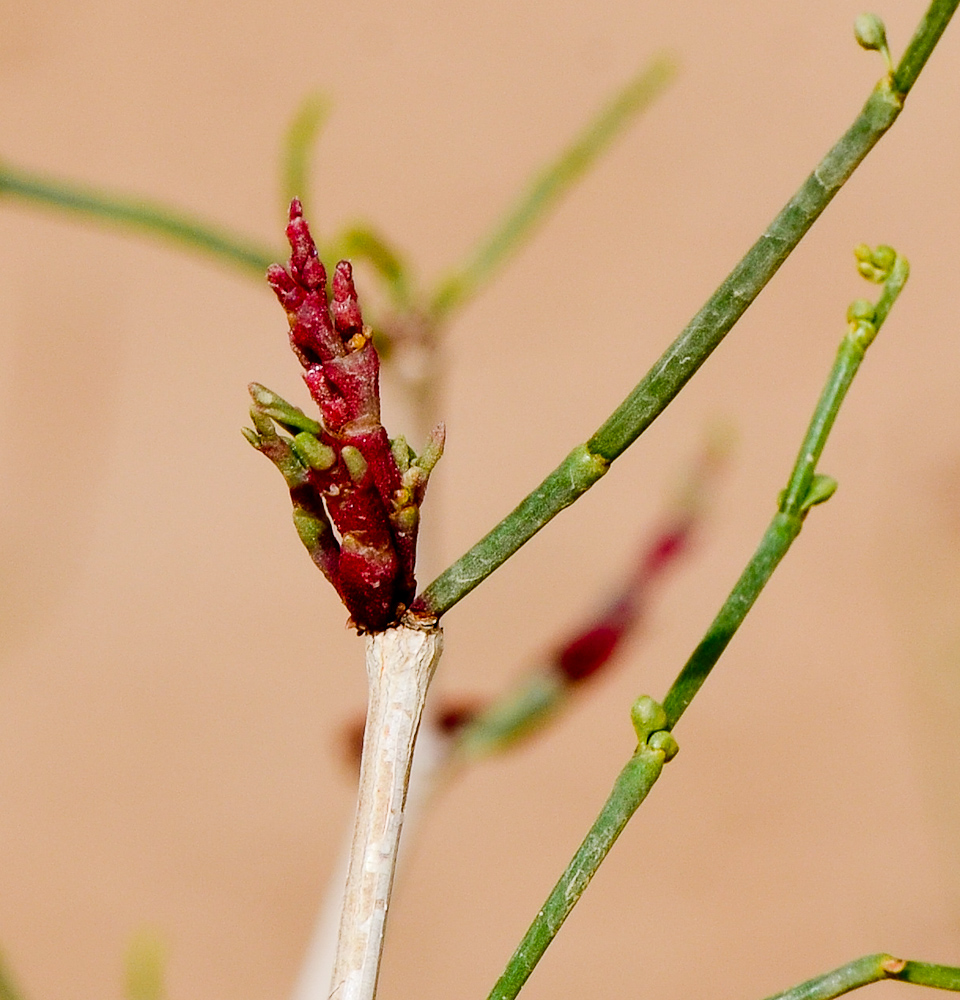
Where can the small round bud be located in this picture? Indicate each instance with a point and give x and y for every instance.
(647, 716)
(870, 32)
(884, 258)
(662, 740)
(860, 311)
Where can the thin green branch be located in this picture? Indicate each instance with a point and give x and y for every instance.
(804, 489)
(872, 969)
(631, 787)
(298, 144)
(548, 187)
(139, 215)
(587, 463)
(364, 243)
(653, 722)
(922, 44)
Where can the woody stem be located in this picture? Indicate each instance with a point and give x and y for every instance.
(400, 664)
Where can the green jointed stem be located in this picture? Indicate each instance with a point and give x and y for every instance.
(654, 722)
(629, 790)
(586, 464)
(549, 186)
(849, 356)
(871, 969)
(773, 547)
(922, 44)
(135, 213)
(804, 489)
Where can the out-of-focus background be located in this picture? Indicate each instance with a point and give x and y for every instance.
(175, 675)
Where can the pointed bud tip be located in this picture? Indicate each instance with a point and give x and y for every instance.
(296, 209)
(260, 394)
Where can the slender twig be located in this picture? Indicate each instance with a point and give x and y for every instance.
(591, 650)
(588, 462)
(400, 664)
(634, 782)
(549, 186)
(872, 969)
(804, 489)
(298, 143)
(138, 214)
(361, 241)
(655, 747)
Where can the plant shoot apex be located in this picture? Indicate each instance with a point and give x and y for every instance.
(871, 34)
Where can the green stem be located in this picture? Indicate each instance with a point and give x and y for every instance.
(629, 790)
(922, 44)
(549, 187)
(298, 144)
(804, 489)
(137, 214)
(587, 463)
(773, 547)
(871, 969)
(849, 356)
(653, 722)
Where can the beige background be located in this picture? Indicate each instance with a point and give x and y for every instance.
(175, 674)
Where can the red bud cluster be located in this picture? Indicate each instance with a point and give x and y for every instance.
(344, 470)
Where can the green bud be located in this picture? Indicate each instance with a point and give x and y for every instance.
(433, 449)
(252, 436)
(277, 408)
(263, 424)
(647, 717)
(884, 258)
(402, 453)
(313, 453)
(821, 489)
(406, 518)
(875, 264)
(309, 528)
(261, 395)
(355, 462)
(861, 311)
(662, 740)
(870, 32)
